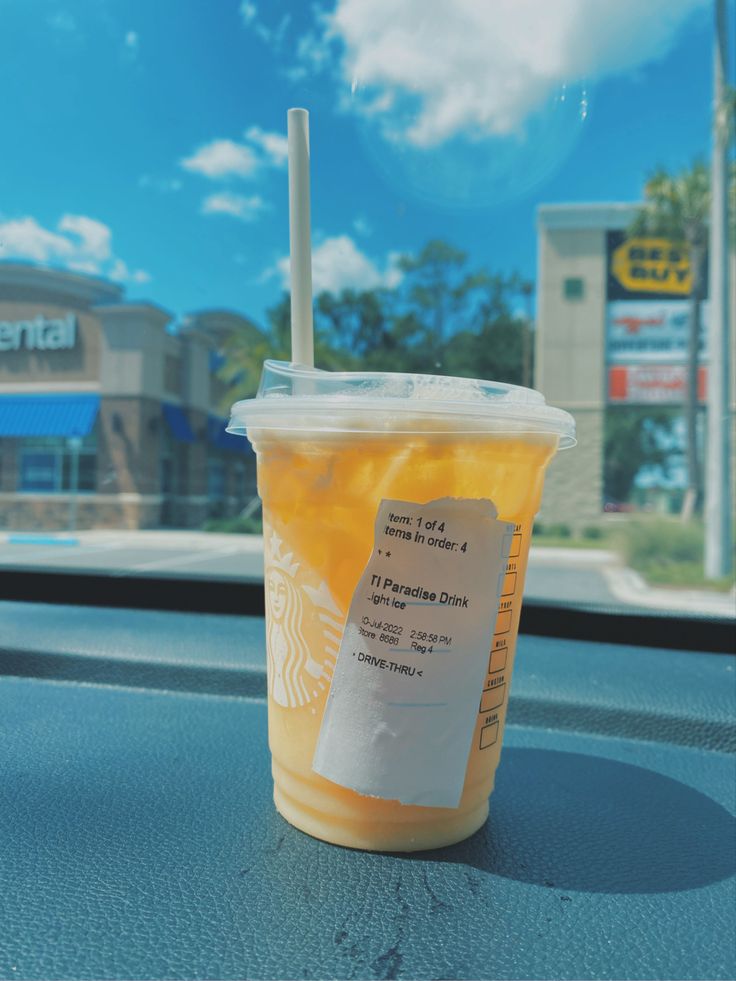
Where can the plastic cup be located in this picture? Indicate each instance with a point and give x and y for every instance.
(330, 447)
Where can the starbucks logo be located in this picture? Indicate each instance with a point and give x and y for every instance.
(303, 629)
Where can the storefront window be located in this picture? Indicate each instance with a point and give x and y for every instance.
(239, 481)
(46, 465)
(215, 480)
(38, 471)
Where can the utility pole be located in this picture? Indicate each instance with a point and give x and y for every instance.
(718, 484)
(527, 290)
(75, 444)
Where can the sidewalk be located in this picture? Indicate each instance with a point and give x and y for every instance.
(630, 588)
(170, 538)
(236, 556)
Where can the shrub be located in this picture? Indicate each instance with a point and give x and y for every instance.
(558, 531)
(660, 543)
(593, 532)
(251, 525)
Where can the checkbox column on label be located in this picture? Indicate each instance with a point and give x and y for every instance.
(503, 622)
(497, 660)
(493, 698)
(489, 735)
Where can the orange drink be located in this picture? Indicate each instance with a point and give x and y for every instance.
(330, 449)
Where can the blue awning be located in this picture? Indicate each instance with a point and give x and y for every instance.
(48, 415)
(223, 440)
(178, 423)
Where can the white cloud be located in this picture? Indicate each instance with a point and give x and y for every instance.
(361, 226)
(24, 238)
(225, 159)
(338, 264)
(222, 159)
(62, 21)
(119, 271)
(93, 238)
(79, 243)
(237, 205)
(274, 146)
(312, 51)
(316, 50)
(165, 185)
(438, 69)
(393, 273)
(131, 45)
(272, 36)
(248, 11)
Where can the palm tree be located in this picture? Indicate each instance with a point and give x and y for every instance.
(246, 350)
(677, 207)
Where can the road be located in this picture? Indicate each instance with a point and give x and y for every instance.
(186, 554)
(558, 575)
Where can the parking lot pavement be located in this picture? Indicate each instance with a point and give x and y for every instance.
(186, 554)
(555, 575)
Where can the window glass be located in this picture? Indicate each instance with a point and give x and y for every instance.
(573, 287)
(216, 480)
(517, 192)
(38, 471)
(57, 464)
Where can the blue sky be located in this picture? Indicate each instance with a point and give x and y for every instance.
(144, 140)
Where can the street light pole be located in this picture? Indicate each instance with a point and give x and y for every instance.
(527, 289)
(74, 444)
(718, 500)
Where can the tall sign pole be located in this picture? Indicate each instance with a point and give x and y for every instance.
(718, 484)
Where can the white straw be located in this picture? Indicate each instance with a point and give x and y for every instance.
(302, 329)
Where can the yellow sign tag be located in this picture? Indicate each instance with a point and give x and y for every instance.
(652, 265)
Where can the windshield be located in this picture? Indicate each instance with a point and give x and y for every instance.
(516, 192)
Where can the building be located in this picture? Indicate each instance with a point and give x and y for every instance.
(612, 328)
(108, 417)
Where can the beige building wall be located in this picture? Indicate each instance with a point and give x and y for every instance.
(133, 349)
(26, 293)
(570, 348)
(196, 346)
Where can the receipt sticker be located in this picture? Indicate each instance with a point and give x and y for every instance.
(403, 703)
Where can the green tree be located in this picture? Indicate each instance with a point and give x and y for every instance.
(359, 321)
(246, 350)
(495, 341)
(676, 207)
(435, 299)
(441, 317)
(634, 438)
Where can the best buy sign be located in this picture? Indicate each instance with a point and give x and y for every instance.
(652, 265)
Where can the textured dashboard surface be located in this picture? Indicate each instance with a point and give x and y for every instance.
(139, 839)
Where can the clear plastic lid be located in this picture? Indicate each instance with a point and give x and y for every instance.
(293, 398)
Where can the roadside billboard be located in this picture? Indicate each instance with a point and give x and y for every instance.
(648, 331)
(647, 322)
(647, 268)
(657, 384)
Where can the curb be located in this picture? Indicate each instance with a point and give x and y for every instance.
(629, 587)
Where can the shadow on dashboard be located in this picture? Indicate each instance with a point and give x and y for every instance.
(579, 822)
